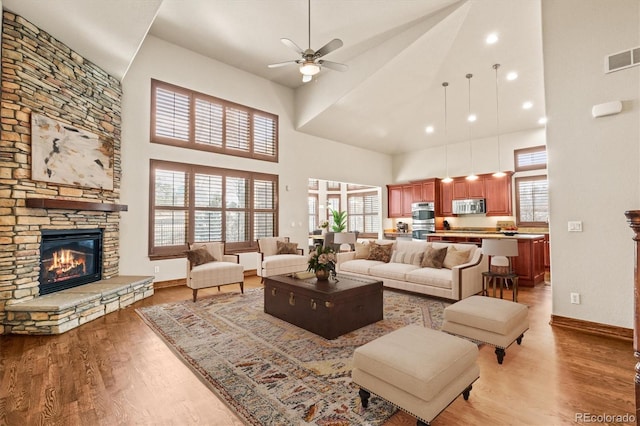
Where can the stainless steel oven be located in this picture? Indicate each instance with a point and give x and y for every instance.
(423, 217)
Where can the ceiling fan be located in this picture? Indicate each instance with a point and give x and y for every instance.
(310, 62)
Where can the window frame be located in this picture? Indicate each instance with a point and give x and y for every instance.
(225, 104)
(531, 150)
(363, 233)
(517, 194)
(190, 170)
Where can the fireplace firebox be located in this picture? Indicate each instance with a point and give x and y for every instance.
(69, 258)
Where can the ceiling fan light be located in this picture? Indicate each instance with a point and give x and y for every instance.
(309, 68)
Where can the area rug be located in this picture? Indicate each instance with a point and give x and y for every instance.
(273, 373)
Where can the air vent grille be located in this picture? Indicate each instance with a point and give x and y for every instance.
(621, 60)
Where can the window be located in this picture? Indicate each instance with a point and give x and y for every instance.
(530, 158)
(532, 200)
(313, 213)
(333, 203)
(189, 119)
(364, 213)
(196, 203)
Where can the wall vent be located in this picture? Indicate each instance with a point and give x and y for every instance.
(621, 60)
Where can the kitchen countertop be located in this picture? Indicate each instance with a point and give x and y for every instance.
(486, 234)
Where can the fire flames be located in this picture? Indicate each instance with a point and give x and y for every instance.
(66, 264)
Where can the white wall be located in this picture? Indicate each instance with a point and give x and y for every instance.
(430, 162)
(301, 156)
(593, 163)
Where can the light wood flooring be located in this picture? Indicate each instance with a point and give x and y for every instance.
(115, 370)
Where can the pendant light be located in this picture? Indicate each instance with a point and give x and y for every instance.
(447, 178)
(470, 118)
(499, 173)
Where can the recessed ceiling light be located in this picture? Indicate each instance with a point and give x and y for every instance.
(542, 120)
(491, 38)
(527, 105)
(429, 129)
(512, 76)
(472, 118)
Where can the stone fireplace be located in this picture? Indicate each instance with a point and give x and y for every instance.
(69, 258)
(44, 290)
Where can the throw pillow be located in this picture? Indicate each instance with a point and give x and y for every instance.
(455, 257)
(380, 252)
(410, 258)
(199, 256)
(287, 248)
(434, 258)
(362, 250)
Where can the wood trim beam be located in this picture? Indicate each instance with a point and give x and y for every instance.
(52, 203)
(592, 327)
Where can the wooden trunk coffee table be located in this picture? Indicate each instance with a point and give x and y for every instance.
(326, 308)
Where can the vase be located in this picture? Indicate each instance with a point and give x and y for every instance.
(322, 275)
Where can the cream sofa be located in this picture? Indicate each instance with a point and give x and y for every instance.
(405, 273)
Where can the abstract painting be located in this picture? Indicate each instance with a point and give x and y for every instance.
(64, 154)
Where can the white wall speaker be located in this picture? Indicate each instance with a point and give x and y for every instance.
(608, 108)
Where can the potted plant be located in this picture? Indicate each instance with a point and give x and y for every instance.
(339, 220)
(322, 261)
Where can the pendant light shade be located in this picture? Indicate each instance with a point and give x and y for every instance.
(499, 173)
(447, 178)
(472, 176)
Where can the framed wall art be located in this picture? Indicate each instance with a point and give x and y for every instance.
(67, 155)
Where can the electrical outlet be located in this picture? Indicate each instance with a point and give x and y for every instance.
(575, 298)
(156, 269)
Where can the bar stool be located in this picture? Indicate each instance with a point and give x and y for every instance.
(490, 278)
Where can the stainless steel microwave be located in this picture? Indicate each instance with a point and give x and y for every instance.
(472, 206)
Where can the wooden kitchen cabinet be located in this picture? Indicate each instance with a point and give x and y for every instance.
(547, 253)
(529, 264)
(498, 195)
(445, 207)
(399, 199)
(425, 190)
(464, 189)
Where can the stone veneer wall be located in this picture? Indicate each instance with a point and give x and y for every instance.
(42, 75)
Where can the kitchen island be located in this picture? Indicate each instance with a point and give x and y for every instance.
(530, 262)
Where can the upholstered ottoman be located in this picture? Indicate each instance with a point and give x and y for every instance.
(419, 370)
(496, 322)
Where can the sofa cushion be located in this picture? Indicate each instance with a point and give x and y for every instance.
(286, 248)
(456, 257)
(410, 258)
(433, 257)
(362, 250)
(215, 248)
(359, 266)
(394, 271)
(380, 252)
(430, 276)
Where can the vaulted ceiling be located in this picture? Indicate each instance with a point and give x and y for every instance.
(399, 53)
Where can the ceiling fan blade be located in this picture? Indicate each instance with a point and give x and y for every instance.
(282, 64)
(307, 78)
(292, 45)
(333, 65)
(334, 44)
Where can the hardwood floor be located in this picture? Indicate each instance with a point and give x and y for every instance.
(115, 370)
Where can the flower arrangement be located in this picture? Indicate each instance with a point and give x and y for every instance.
(324, 224)
(322, 259)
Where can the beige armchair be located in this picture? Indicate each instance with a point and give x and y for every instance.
(277, 256)
(209, 266)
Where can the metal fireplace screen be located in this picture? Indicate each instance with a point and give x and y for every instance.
(69, 258)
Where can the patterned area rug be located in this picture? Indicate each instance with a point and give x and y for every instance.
(274, 373)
